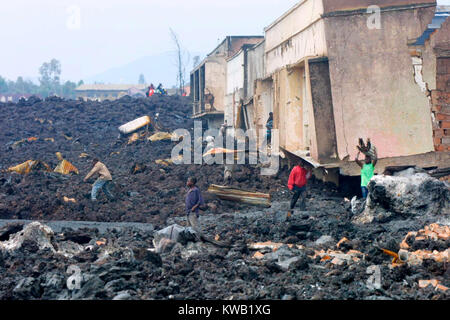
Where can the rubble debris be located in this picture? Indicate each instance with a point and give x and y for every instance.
(416, 258)
(338, 257)
(435, 283)
(101, 242)
(9, 229)
(324, 240)
(66, 199)
(134, 137)
(248, 197)
(358, 205)
(138, 168)
(433, 232)
(258, 255)
(342, 241)
(168, 162)
(420, 239)
(406, 193)
(160, 136)
(165, 238)
(34, 232)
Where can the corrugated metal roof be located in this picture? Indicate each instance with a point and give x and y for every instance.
(110, 87)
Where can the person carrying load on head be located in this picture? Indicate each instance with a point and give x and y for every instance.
(368, 167)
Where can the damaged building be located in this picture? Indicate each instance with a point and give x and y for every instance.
(101, 92)
(209, 80)
(336, 71)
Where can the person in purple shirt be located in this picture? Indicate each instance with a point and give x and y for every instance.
(194, 200)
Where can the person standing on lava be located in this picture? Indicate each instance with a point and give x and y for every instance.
(297, 184)
(367, 171)
(194, 200)
(103, 182)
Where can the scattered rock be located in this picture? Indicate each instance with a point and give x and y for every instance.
(404, 195)
(325, 240)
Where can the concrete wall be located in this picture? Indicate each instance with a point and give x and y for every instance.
(235, 73)
(255, 69)
(292, 110)
(263, 105)
(235, 87)
(373, 88)
(237, 43)
(216, 79)
(323, 111)
(298, 34)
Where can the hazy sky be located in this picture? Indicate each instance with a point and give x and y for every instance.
(111, 33)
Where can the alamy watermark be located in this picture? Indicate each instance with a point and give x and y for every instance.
(74, 281)
(374, 20)
(374, 281)
(73, 21)
(235, 143)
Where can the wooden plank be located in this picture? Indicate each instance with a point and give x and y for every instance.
(247, 197)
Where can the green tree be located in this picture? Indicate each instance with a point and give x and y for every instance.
(50, 77)
(3, 85)
(68, 90)
(20, 86)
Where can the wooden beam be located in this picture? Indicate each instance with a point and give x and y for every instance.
(248, 197)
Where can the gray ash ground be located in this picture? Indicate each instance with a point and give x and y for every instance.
(123, 268)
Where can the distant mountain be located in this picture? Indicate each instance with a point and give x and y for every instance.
(156, 69)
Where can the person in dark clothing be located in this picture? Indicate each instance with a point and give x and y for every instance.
(269, 126)
(160, 90)
(194, 200)
(297, 184)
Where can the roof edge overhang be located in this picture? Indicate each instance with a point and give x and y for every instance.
(361, 11)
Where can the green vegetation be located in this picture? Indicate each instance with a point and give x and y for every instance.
(49, 83)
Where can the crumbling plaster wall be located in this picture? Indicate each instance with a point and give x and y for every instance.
(373, 87)
(216, 79)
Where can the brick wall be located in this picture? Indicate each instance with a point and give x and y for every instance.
(440, 99)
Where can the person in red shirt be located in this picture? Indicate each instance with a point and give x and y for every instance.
(297, 184)
(151, 90)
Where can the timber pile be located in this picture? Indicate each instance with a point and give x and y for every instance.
(248, 197)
